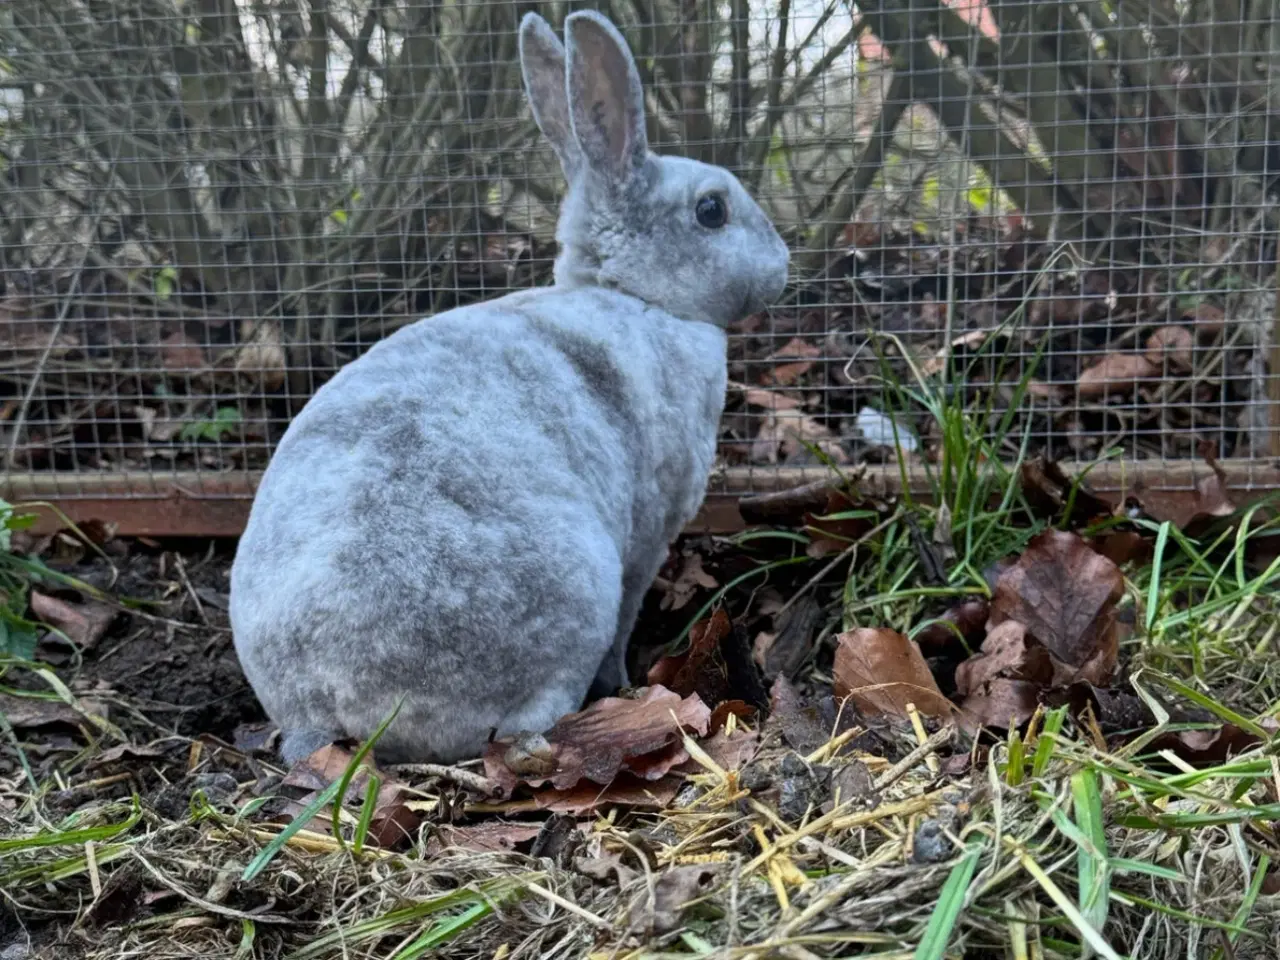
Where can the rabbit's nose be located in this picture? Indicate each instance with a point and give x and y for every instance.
(772, 280)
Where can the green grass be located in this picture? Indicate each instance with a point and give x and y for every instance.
(1062, 845)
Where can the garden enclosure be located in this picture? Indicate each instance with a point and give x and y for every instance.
(1059, 216)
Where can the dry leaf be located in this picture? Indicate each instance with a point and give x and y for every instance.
(626, 790)
(729, 751)
(700, 668)
(1122, 546)
(83, 623)
(1000, 703)
(770, 399)
(833, 530)
(1206, 748)
(737, 708)
(1044, 391)
(393, 822)
(1188, 509)
(969, 619)
(1173, 344)
(180, 353)
(1065, 594)
(691, 579)
(612, 735)
(261, 353)
(786, 650)
(785, 374)
(1114, 375)
(672, 892)
(494, 836)
(883, 671)
(30, 712)
(800, 353)
(1048, 489)
(125, 751)
(799, 721)
(792, 432)
(1207, 319)
(1009, 653)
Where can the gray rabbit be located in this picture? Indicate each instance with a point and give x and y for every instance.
(469, 515)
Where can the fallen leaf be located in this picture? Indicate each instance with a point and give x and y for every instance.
(496, 836)
(842, 523)
(691, 579)
(82, 623)
(1207, 318)
(613, 734)
(770, 399)
(1000, 703)
(1205, 748)
(968, 619)
(255, 737)
(393, 822)
(785, 650)
(696, 669)
(1048, 490)
(1171, 344)
(800, 355)
(1189, 509)
(738, 708)
(883, 671)
(1008, 653)
(1115, 374)
(125, 751)
(180, 353)
(798, 721)
(32, 712)
(789, 434)
(729, 751)
(1065, 593)
(1044, 391)
(1122, 546)
(963, 344)
(674, 888)
(626, 790)
(606, 867)
(851, 782)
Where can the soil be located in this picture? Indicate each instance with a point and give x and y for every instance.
(170, 668)
(172, 663)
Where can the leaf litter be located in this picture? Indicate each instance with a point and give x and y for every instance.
(806, 769)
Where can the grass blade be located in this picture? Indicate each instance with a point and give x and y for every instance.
(1091, 859)
(444, 931)
(933, 945)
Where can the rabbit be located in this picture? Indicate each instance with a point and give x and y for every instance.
(464, 520)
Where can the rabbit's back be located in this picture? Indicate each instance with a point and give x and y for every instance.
(456, 512)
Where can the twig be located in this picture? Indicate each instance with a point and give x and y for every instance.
(835, 215)
(202, 903)
(903, 766)
(191, 591)
(573, 908)
(19, 421)
(463, 778)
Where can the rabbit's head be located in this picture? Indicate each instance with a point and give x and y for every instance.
(681, 235)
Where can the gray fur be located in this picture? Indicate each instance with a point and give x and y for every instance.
(470, 515)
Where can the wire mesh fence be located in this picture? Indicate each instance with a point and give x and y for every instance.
(1057, 216)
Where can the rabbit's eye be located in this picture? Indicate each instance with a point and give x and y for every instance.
(711, 211)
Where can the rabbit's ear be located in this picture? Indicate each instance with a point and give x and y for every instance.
(542, 63)
(605, 97)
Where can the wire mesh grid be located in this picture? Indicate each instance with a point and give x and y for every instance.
(1059, 215)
